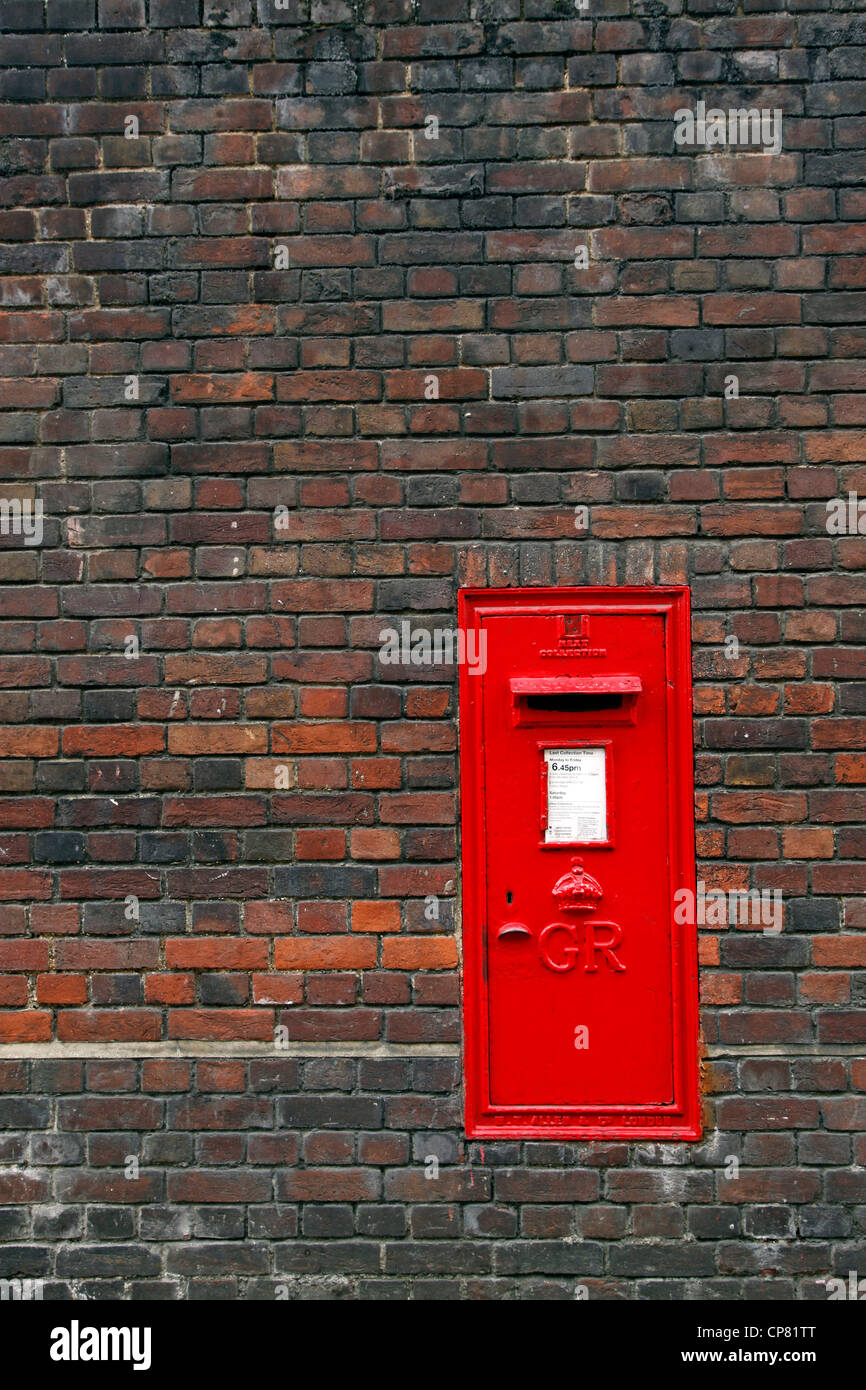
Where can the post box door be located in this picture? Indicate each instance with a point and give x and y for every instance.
(586, 1017)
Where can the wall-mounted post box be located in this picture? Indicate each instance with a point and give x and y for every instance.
(580, 987)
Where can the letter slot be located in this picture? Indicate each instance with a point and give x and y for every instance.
(547, 699)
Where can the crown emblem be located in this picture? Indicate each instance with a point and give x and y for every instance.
(577, 891)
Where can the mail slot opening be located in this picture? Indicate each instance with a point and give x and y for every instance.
(550, 699)
(576, 703)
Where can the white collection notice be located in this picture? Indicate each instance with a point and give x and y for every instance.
(576, 795)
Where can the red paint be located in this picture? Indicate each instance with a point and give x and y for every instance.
(580, 1006)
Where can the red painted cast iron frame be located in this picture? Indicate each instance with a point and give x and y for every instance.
(682, 1120)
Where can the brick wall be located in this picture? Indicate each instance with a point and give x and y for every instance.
(312, 315)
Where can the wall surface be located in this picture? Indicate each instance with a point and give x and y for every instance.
(313, 315)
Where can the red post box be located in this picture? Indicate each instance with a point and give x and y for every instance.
(580, 981)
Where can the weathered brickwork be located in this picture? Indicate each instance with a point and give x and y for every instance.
(311, 315)
(333, 1177)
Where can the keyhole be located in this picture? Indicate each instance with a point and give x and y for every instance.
(509, 897)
